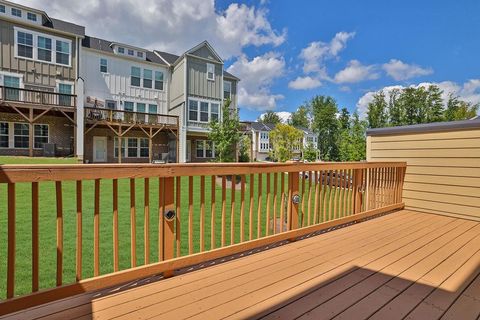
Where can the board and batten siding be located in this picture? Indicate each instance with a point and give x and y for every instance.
(443, 166)
(33, 72)
(115, 83)
(198, 85)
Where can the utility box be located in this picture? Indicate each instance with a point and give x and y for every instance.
(49, 149)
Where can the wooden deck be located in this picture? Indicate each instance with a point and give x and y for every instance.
(401, 265)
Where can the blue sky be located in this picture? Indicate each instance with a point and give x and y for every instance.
(288, 51)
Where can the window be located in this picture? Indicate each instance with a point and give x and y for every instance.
(112, 105)
(40, 135)
(121, 50)
(10, 84)
(130, 52)
(103, 65)
(25, 44)
(214, 110)
(31, 16)
(135, 77)
(152, 108)
(2, 8)
(204, 111)
(141, 109)
(65, 98)
(63, 52)
(132, 150)
(115, 147)
(140, 54)
(210, 71)
(205, 149)
(16, 12)
(264, 135)
(144, 149)
(227, 90)
(44, 49)
(128, 106)
(193, 110)
(20, 135)
(3, 134)
(158, 80)
(147, 78)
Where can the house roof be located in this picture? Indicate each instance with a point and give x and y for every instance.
(227, 74)
(260, 126)
(427, 127)
(170, 58)
(305, 130)
(66, 27)
(106, 46)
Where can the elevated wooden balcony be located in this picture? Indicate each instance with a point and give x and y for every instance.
(37, 99)
(279, 241)
(95, 115)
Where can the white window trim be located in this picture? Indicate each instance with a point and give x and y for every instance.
(204, 142)
(230, 82)
(208, 66)
(13, 135)
(35, 35)
(58, 82)
(125, 155)
(141, 86)
(210, 102)
(11, 74)
(100, 64)
(48, 131)
(9, 142)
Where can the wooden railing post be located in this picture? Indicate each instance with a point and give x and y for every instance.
(169, 222)
(293, 200)
(357, 190)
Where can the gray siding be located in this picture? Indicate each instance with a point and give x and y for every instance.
(234, 103)
(177, 87)
(205, 53)
(46, 73)
(198, 85)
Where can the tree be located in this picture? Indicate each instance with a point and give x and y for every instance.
(310, 153)
(243, 149)
(300, 118)
(325, 124)
(435, 109)
(269, 117)
(344, 119)
(377, 111)
(395, 110)
(225, 134)
(284, 139)
(459, 110)
(352, 142)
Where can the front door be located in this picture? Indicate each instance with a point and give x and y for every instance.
(189, 151)
(99, 149)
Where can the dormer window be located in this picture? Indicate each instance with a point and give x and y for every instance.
(210, 71)
(121, 50)
(16, 12)
(130, 52)
(31, 16)
(140, 54)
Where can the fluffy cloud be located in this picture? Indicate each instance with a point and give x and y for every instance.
(356, 72)
(468, 91)
(399, 70)
(257, 76)
(304, 83)
(169, 25)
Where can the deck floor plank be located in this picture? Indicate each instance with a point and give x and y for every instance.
(403, 265)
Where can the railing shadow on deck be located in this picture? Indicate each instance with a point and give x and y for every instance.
(190, 218)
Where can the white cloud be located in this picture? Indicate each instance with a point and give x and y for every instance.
(468, 91)
(399, 70)
(258, 74)
(169, 25)
(283, 115)
(356, 72)
(304, 83)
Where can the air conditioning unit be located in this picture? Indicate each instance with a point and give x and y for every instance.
(49, 149)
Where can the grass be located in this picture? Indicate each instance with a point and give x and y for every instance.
(47, 224)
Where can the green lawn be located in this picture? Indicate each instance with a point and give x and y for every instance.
(48, 226)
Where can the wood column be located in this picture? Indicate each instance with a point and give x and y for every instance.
(150, 146)
(119, 146)
(30, 132)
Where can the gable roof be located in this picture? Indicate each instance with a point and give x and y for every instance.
(260, 126)
(106, 46)
(169, 58)
(305, 130)
(227, 74)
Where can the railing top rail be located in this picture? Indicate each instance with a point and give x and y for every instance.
(40, 91)
(126, 111)
(61, 172)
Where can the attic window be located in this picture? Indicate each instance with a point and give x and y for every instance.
(130, 52)
(16, 12)
(31, 16)
(210, 71)
(121, 50)
(2, 8)
(140, 54)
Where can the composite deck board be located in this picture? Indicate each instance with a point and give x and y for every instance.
(402, 265)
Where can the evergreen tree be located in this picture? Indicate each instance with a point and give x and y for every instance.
(377, 115)
(344, 119)
(395, 109)
(435, 109)
(269, 117)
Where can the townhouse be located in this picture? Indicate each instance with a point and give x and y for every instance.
(64, 93)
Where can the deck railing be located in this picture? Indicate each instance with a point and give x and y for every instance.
(103, 114)
(142, 220)
(31, 96)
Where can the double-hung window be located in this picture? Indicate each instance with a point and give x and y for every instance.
(203, 111)
(40, 135)
(4, 134)
(2, 8)
(121, 50)
(158, 80)
(227, 90)
(31, 16)
(214, 111)
(147, 78)
(130, 52)
(62, 52)
(20, 135)
(16, 12)
(103, 65)
(210, 71)
(132, 150)
(205, 149)
(25, 44)
(115, 147)
(193, 110)
(135, 76)
(65, 98)
(44, 50)
(141, 110)
(144, 149)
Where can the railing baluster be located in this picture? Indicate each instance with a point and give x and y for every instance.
(35, 256)
(178, 201)
(96, 230)
(275, 196)
(282, 202)
(212, 212)
(309, 201)
(146, 220)
(161, 221)
(115, 223)
(259, 206)
(250, 213)
(202, 213)
(302, 209)
(267, 220)
(79, 244)
(11, 241)
(58, 189)
(293, 178)
(190, 215)
(316, 199)
(242, 209)
(224, 208)
(133, 226)
(232, 211)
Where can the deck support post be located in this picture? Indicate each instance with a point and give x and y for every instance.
(357, 190)
(293, 201)
(169, 222)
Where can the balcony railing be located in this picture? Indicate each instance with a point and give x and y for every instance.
(189, 214)
(30, 96)
(198, 124)
(121, 116)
